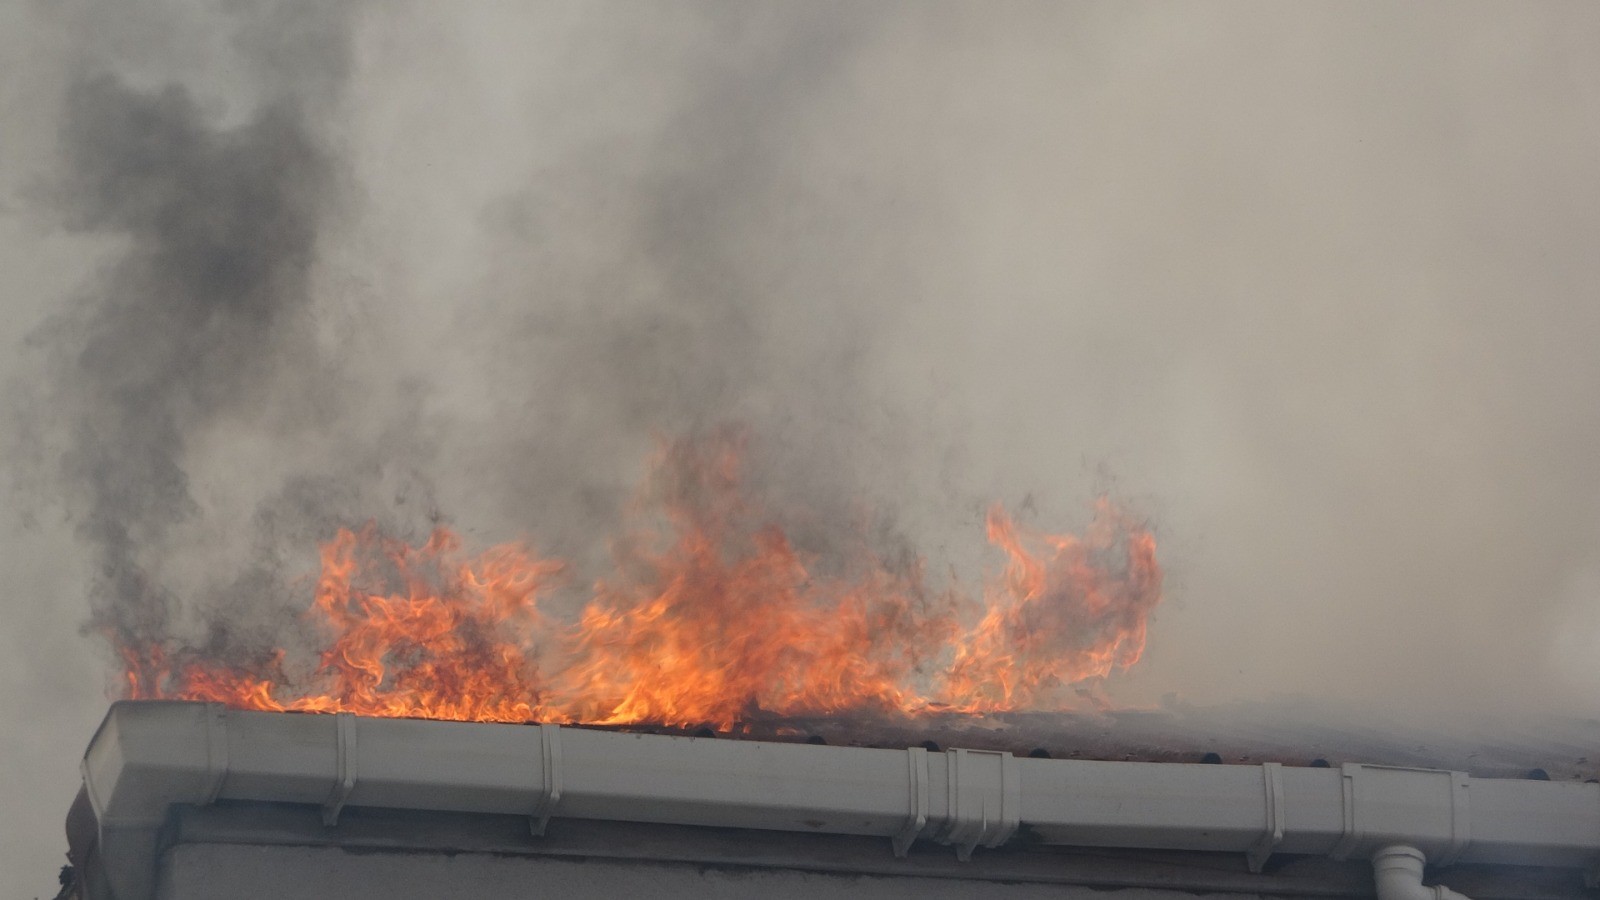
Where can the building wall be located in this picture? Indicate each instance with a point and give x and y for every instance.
(267, 850)
(257, 872)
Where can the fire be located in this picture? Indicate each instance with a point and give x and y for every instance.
(1066, 614)
(711, 616)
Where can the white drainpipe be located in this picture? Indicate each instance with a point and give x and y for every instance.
(148, 756)
(1398, 870)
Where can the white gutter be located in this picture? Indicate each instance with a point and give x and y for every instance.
(148, 756)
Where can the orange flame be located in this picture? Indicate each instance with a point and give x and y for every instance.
(710, 617)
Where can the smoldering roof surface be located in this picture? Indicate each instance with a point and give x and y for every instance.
(1296, 733)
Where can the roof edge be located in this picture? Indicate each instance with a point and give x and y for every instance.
(148, 756)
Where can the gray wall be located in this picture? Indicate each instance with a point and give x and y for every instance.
(245, 872)
(248, 850)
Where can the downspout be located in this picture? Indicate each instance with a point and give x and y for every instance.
(1398, 871)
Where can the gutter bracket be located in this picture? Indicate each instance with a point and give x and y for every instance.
(216, 749)
(1460, 819)
(985, 800)
(917, 816)
(345, 776)
(1351, 836)
(1591, 875)
(1272, 781)
(550, 786)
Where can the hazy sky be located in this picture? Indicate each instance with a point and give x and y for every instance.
(1311, 286)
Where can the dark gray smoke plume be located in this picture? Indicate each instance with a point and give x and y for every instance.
(211, 333)
(221, 224)
(200, 331)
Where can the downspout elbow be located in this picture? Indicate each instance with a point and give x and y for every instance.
(1398, 872)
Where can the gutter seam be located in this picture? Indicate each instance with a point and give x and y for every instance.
(550, 786)
(1272, 835)
(345, 768)
(1460, 819)
(917, 817)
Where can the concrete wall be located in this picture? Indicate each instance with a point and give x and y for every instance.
(266, 850)
(256, 872)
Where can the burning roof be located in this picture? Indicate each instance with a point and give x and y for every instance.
(711, 615)
(712, 621)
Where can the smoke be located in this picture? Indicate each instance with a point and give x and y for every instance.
(231, 387)
(468, 265)
(665, 266)
(203, 312)
(1313, 286)
(221, 225)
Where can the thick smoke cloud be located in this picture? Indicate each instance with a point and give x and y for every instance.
(221, 225)
(683, 269)
(204, 411)
(1313, 284)
(202, 338)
